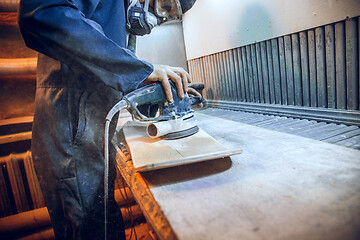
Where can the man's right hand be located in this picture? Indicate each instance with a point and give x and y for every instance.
(162, 73)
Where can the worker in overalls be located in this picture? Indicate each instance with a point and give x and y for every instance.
(83, 70)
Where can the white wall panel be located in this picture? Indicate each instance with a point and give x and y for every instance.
(217, 25)
(165, 45)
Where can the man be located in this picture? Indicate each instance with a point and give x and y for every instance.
(83, 70)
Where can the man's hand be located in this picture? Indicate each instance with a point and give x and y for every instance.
(163, 73)
(192, 92)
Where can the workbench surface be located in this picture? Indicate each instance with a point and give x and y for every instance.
(281, 187)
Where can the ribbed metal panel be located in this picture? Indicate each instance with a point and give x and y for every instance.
(314, 68)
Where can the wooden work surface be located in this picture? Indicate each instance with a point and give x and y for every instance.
(281, 187)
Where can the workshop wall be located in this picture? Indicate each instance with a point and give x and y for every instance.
(279, 59)
(165, 45)
(212, 26)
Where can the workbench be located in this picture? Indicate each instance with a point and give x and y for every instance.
(282, 186)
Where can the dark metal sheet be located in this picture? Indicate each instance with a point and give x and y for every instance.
(312, 68)
(297, 69)
(305, 68)
(246, 74)
(320, 67)
(330, 65)
(289, 70)
(265, 73)
(270, 71)
(352, 61)
(282, 71)
(276, 70)
(340, 67)
(255, 73)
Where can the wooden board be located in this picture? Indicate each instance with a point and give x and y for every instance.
(150, 154)
(281, 187)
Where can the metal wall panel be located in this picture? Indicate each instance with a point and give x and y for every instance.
(313, 68)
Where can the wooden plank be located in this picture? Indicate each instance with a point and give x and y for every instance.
(5, 206)
(265, 74)
(282, 71)
(276, 70)
(259, 72)
(312, 69)
(246, 74)
(271, 72)
(250, 73)
(320, 67)
(330, 65)
(16, 125)
(17, 184)
(255, 73)
(305, 68)
(150, 154)
(242, 74)
(236, 74)
(11, 138)
(352, 64)
(34, 186)
(297, 69)
(340, 67)
(289, 70)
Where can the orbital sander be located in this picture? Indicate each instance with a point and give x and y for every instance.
(162, 119)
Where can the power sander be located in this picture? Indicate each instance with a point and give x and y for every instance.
(149, 107)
